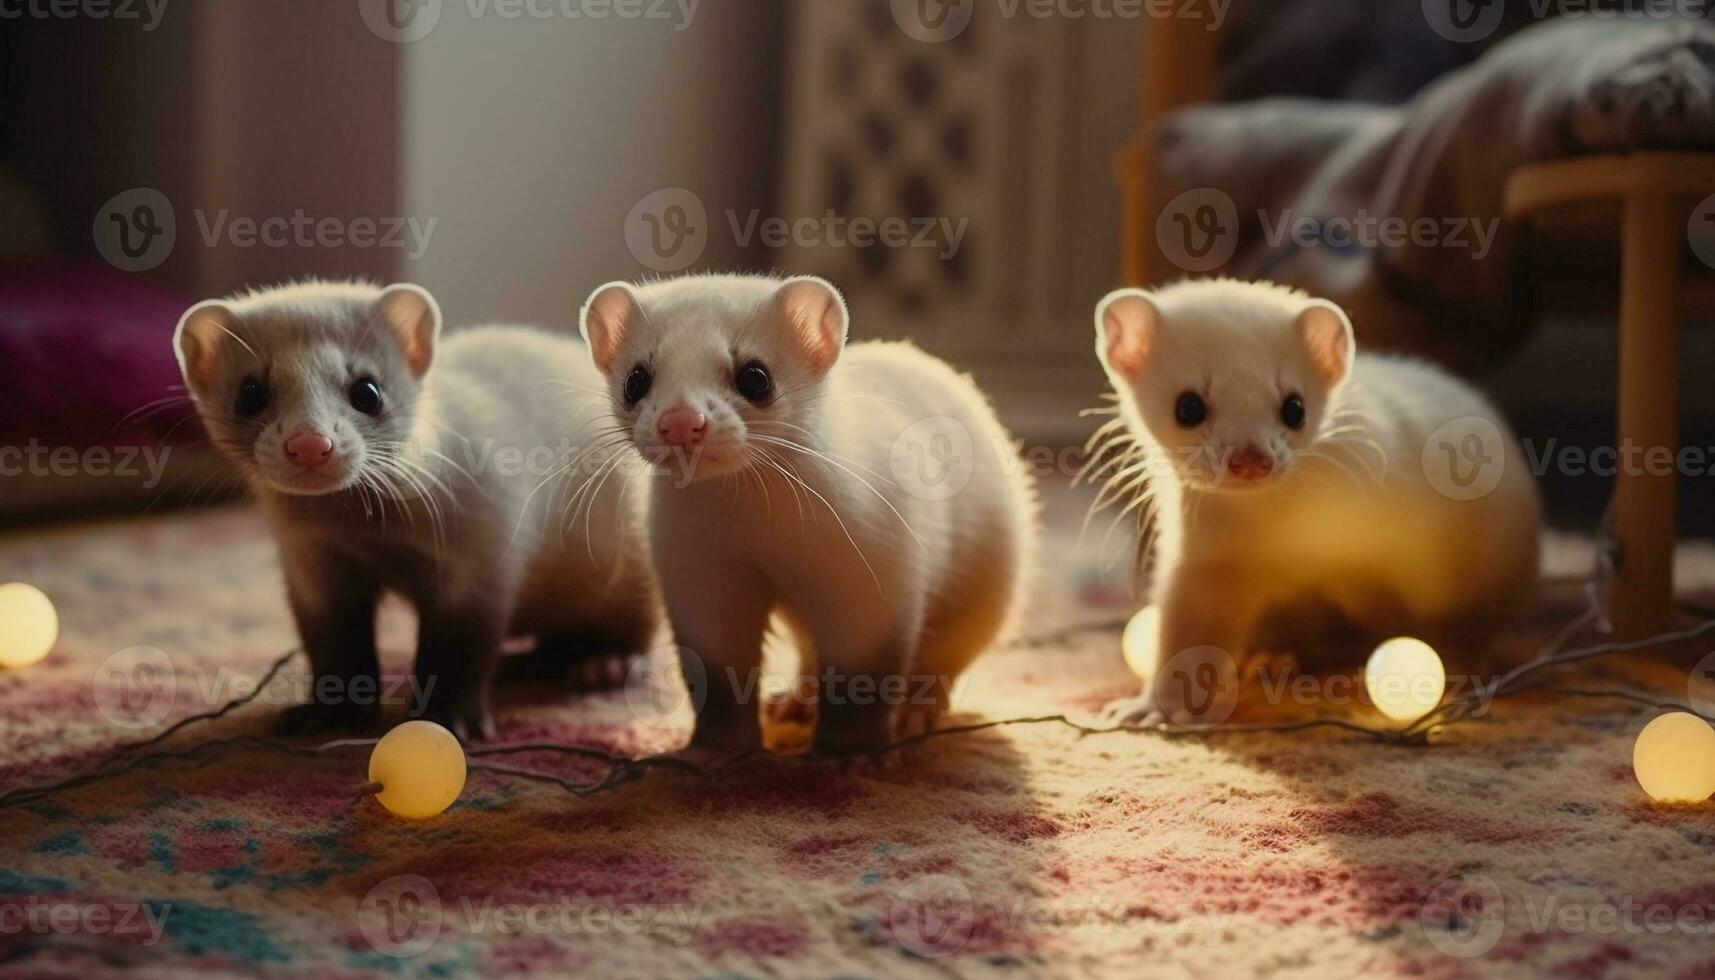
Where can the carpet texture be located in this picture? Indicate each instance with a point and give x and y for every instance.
(1516, 845)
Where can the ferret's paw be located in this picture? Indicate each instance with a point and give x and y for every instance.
(529, 669)
(315, 718)
(852, 734)
(789, 711)
(872, 763)
(719, 740)
(1138, 712)
(707, 757)
(470, 721)
(580, 671)
(599, 672)
(917, 720)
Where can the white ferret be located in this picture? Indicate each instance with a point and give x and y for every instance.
(1302, 489)
(388, 458)
(797, 495)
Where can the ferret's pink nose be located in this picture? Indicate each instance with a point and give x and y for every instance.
(1250, 463)
(309, 448)
(682, 425)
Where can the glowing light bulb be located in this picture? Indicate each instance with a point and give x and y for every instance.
(30, 625)
(420, 767)
(1674, 759)
(1138, 641)
(1405, 678)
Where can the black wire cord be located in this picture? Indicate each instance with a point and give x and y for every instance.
(1527, 677)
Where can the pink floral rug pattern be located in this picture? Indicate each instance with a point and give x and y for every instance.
(1518, 845)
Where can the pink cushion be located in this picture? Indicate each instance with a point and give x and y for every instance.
(83, 352)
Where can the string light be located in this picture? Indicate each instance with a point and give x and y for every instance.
(1524, 678)
(1405, 678)
(420, 769)
(1674, 759)
(1138, 641)
(30, 625)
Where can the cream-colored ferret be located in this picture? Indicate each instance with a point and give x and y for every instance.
(450, 470)
(1301, 488)
(796, 494)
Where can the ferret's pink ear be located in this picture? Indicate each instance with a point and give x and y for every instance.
(415, 320)
(197, 341)
(1127, 326)
(815, 317)
(1327, 336)
(605, 319)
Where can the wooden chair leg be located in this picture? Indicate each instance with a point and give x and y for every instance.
(1644, 496)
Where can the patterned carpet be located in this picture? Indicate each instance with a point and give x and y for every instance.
(1517, 845)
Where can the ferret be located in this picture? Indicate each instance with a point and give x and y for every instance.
(867, 496)
(1302, 488)
(449, 470)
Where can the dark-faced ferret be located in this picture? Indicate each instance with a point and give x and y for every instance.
(463, 473)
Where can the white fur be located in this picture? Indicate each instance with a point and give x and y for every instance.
(793, 507)
(461, 493)
(1349, 523)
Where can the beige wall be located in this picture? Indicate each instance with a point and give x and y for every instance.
(529, 141)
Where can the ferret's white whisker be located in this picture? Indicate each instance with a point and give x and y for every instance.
(585, 494)
(1352, 449)
(1332, 461)
(1365, 443)
(150, 409)
(797, 497)
(595, 495)
(789, 444)
(834, 512)
(1116, 487)
(398, 472)
(830, 455)
(1109, 455)
(238, 340)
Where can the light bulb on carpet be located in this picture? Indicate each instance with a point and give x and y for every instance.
(1139, 639)
(1674, 759)
(28, 625)
(421, 769)
(1405, 678)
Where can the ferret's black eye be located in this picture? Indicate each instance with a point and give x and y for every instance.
(252, 398)
(754, 382)
(1292, 412)
(366, 396)
(1190, 410)
(637, 384)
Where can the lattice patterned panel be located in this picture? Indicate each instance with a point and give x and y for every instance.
(966, 133)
